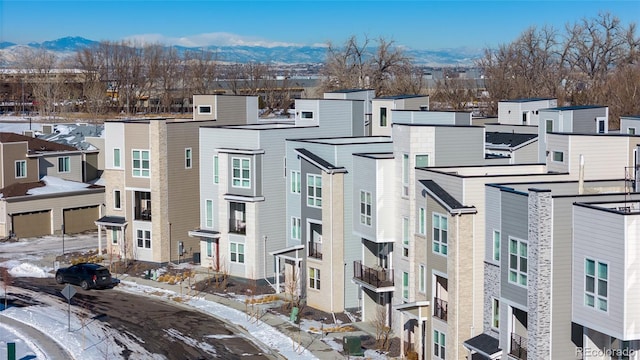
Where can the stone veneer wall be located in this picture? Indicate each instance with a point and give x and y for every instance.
(539, 274)
(491, 291)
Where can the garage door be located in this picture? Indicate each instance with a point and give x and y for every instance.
(32, 224)
(77, 220)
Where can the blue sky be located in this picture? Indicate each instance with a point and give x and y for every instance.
(415, 24)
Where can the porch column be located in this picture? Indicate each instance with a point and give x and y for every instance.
(99, 240)
(277, 274)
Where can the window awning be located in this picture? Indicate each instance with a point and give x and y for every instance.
(485, 345)
(290, 253)
(418, 310)
(115, 221)
(212, 234)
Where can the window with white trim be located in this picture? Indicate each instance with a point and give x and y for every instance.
(208, 213)
(64, 164)
(209, 248)
(114, 235)
(143, 238)
(405, 285)
(422, 160)
(631, 131)
(440, 230)
(204, 109)
(439, 342)
(549, 125)
(496, 245)
(116, 158)
(314, 190)
(236, 252)
(295, 182)
(21, 169)
(307, 115)
(216, 171)
(518, 257)
(295, 228)
(405, 174)
(241, 172)
(314, 278)
(558, 156)
(422, 221)
(596, 284)
(117, 202)
(365, 207)
(141, 165)
(495, 313)
(383, 117)
(422, 273)
(405, 237)
(188, 158)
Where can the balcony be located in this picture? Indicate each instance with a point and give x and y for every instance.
(237, 226)
(518, 346)
(440, 309)
(315, 250)
(376, 277)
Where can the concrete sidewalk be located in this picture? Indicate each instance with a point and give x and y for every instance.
(312, 342)
(45, 343)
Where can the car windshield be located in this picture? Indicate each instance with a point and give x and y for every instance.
(102, 272)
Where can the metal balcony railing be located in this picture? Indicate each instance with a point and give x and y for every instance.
(377, 277)
(518, 346)
(440, 309)
(315, 250)
(237, 226)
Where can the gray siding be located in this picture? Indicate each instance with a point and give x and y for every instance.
(584, 119)
(463, 118)
(459, 146)
(514, 217)
(492, 219)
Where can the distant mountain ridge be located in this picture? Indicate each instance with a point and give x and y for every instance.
(243, 54)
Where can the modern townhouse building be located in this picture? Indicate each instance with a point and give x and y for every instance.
(226, 109)
(243, 184)
(325, 201)
(630, 125)
(534, 291)
(382, 118)
(28, 166)
(366, 95)
(511, 147)
(585, 119)
(523, 111)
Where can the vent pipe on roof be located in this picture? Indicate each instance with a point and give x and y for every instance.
(581, 176)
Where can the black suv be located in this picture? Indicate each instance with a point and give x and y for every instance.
(87, 275)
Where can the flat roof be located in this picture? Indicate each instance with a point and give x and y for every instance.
(576, 107)
(523, 100)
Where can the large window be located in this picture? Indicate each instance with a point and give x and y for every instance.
(314, 278)
(496, 245)
(209, 248)
(216, 171)
(188, 158)
(141, 165)
(440, 229)
(405, 285)
(144, 238)
(21, 169)
(439, 342)
(518, 255)
(236, 252)
(209, 213)
(295, 228)
(64, 164)
(295, 181)
(405, 175)
(116, 158)
(314, 190)
(117, 202)
(383, 116)
(596, 284)
(549, 126)
(405, 237)
(365, 207)
(241, 173)
(142, 201)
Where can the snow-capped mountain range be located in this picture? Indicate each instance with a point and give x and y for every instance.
(67, 46)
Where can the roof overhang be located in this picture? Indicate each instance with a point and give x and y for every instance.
(289, 253)
(115, 221)
(211, 234)
(419, 310)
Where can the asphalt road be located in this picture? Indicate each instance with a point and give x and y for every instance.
(157, 325)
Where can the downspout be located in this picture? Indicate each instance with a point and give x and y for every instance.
(458, 276)
(331, 222)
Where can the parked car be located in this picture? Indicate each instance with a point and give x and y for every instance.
(87, 275)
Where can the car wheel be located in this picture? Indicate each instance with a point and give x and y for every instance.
(84, 285)
(59, 279)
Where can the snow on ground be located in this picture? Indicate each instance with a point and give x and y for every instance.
(25, 347)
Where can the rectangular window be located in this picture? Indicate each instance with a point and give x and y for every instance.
(209, 248)
(495, 311)
(596, 284)
(405, 174)
(204, 109)
(144, 239)
(188, 153)
(496, 245)
(295, 228)
(236, 252)
(439, 342)
(601, 126)
(518, 262)
(365, 208)
(141, 164)
(116, 200)
(383, 116)
(422, 218)
(631, 131)
(116, 158)
(308, 115)
(422, 286)
(64, 164)
(209, 213)
(405, 237)
(549, 125)
(216, 172)
(558, 156)
(314, 190)
(114, 235)
(241, 177)
(21, 169)
(422, 160)
(440, 229)
(405, 285)
(314, 278)
(295, 182)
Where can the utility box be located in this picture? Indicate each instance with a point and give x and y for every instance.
(351, 345)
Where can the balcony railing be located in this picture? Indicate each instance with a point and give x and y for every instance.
(518, 346)
(237, 226)
(315, 250)
(144, 214)
(440, 309)
(372, 276)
